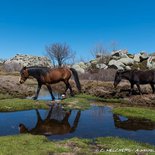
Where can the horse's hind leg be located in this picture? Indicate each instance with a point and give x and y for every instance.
(152, 86)
(70, 88)
(67, 115)
(50, 90)
(76, 121)
(138, 86)
(131, 90)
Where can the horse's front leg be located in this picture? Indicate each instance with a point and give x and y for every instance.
(138, 86)
(37, 92)
(50, 90)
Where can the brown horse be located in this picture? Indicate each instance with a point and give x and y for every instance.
(52, 126)
(47, 76)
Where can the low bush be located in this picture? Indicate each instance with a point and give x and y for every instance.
(100, 75)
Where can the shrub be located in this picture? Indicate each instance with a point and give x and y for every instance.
(100, 75)
(12, 66)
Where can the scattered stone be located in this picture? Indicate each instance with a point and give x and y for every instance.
(151, 62)
(126, 61)
(118, 64)
(140, 57)
(101, 66)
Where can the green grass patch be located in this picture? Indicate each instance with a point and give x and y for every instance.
(81, 101)
(122, 146)
(26, 144)
(107, 100)
(21, 104)
(84, 101)
(135, 112)
(76, 103)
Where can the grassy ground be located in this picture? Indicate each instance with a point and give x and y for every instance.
(28, 145)
(136, 112)
(14, 104)
(21, 104)
(35, 145)
(77, 102)
(39, 145)
(94, 98)
(80, 102)
(83, 101)
(5, 96)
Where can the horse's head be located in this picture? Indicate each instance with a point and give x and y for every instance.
(23, 75)
(118, 77)
(22, 128)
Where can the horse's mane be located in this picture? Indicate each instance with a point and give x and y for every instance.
(127, 71)
(38, 69)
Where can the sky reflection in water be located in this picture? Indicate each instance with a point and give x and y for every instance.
(92, 123)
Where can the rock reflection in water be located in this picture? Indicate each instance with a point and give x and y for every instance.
(56, 123)
(133, 124)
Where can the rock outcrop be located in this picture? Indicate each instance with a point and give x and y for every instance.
(1, 61)
(17, 62)
(120, 60)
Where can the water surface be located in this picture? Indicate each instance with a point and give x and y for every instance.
(56, 124)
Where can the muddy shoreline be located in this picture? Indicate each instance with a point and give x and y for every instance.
(10, 85)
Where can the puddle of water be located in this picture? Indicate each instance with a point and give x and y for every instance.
(59, 124)
(44, 95)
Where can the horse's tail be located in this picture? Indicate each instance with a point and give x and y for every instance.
(76, 78)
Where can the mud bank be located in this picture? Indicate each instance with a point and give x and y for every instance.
(10, 85)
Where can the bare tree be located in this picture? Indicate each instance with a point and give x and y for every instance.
(59, 53)
(99, 51)
(114, 45)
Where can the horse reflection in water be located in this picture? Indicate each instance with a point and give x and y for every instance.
(52, 126)
(133, 124)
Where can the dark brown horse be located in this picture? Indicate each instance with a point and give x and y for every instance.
(133, 124)
(52, 126)
(47, 76)
(136, 77)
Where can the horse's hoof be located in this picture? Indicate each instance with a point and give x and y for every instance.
(53, 99)
(34, 98)
(53, 102)
(63, 96)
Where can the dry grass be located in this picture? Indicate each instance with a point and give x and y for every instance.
(100, 75)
